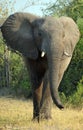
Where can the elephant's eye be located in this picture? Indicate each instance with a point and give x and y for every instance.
(39, 34)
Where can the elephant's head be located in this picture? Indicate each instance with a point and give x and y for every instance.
(55, 38)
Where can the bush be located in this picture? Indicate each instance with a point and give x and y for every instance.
(77, 98)
(19, 76)
(24, 85)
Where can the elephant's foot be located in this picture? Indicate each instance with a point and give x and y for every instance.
(45, 113)
(36, 116)
(45, 116)
(42, 115)
(37, 119)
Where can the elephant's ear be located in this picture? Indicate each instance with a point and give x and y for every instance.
(67, 46)
(71, 35)
(18, 33)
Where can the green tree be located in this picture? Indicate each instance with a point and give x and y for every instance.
(4, 11)
(6, 6)
(13, 62)
(72, 8)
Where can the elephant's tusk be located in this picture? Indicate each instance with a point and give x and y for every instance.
(42, 54)
(67, 54)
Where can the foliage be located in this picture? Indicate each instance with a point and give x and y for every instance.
(19, 80)
(57, 8)
(77, 98)
(72, 8)
(2, 75)
(19, 77)
(6, 6)
(75, 9)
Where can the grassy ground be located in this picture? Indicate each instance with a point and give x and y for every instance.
(16, 114)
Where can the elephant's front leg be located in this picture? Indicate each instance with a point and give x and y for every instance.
(46, 102)
(36, 77)
(42, 101)
(37, 94)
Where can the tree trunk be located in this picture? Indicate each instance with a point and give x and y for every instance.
(7, 66)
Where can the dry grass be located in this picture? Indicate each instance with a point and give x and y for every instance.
(16, 114)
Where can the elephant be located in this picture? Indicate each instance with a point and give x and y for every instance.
(47, 45)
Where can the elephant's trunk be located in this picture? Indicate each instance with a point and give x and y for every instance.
(54, 66)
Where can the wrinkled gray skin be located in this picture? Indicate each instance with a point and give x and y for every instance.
(47, 45)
